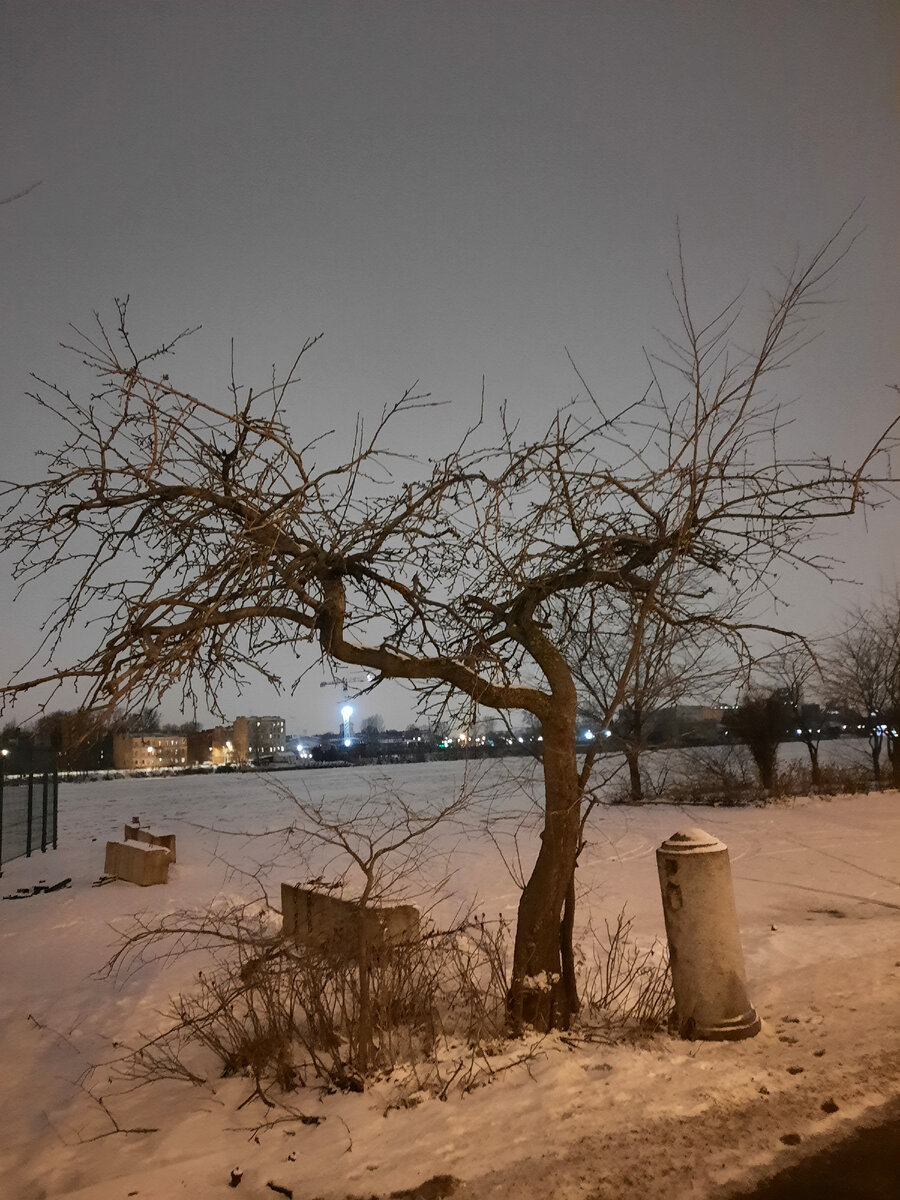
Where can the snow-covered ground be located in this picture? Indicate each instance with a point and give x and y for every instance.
(816, 883)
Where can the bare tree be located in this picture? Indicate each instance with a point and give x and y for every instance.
(856, 674)
(793, 673)
(669, 662)
(206, 541)
(759, 722)
(865, 670)
(887, 619)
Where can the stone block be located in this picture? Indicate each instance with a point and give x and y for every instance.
(137, 862)
(140, 833)
(325, 922)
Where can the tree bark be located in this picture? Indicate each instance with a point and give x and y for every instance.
(875, 744)
(543, 991)
(815, 771)
(894, 757)
(636, 790)
(567, 949)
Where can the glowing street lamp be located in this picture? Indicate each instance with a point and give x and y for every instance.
(346, 728)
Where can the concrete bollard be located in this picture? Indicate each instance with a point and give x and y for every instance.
(711, 1001)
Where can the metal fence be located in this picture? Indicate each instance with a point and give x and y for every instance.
(29, 808)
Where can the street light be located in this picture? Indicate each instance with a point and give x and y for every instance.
(346, 714)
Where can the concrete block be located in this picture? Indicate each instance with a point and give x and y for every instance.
(140, 833)
(325, 922)
(137, 862)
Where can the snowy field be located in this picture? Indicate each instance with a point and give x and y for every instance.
(818, 896)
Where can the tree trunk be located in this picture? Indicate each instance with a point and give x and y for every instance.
(765, 755)
(894, 756)
(815, 771)
(636, 790)
(543, 991)
(567, 951)
(875, 744)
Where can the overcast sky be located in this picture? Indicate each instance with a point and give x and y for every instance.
(448, 190)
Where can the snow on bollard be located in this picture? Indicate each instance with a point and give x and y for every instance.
(711, 1001)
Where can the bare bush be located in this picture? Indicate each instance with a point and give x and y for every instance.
(715, 777)
(623, 983)
(850, 779)
(287, 1017)
(726, 778)
(283, 1014)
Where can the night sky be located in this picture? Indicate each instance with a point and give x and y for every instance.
(448, 190)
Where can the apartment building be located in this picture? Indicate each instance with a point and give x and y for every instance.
(146, 751)
(254, 737)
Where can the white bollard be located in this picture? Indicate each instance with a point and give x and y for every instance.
(707, 962)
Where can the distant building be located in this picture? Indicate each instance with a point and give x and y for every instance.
(146, 751)
(214, 746)
(256, 737)
(697, 714)
(687, 724)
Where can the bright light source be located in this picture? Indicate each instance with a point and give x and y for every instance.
(607, 733)
(347, 711)
(347, 742)
(589, 735)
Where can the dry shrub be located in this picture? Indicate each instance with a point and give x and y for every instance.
(286, 1016)
(716, 777)
(851, 779)
(624, 984)
(725, 777)
(283, 1014)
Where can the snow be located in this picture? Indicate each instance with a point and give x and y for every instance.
(816, 885)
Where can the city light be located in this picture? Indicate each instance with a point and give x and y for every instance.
(346, 727)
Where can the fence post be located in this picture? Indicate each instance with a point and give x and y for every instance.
(29, 835)
(44, 799)
(55, 805)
